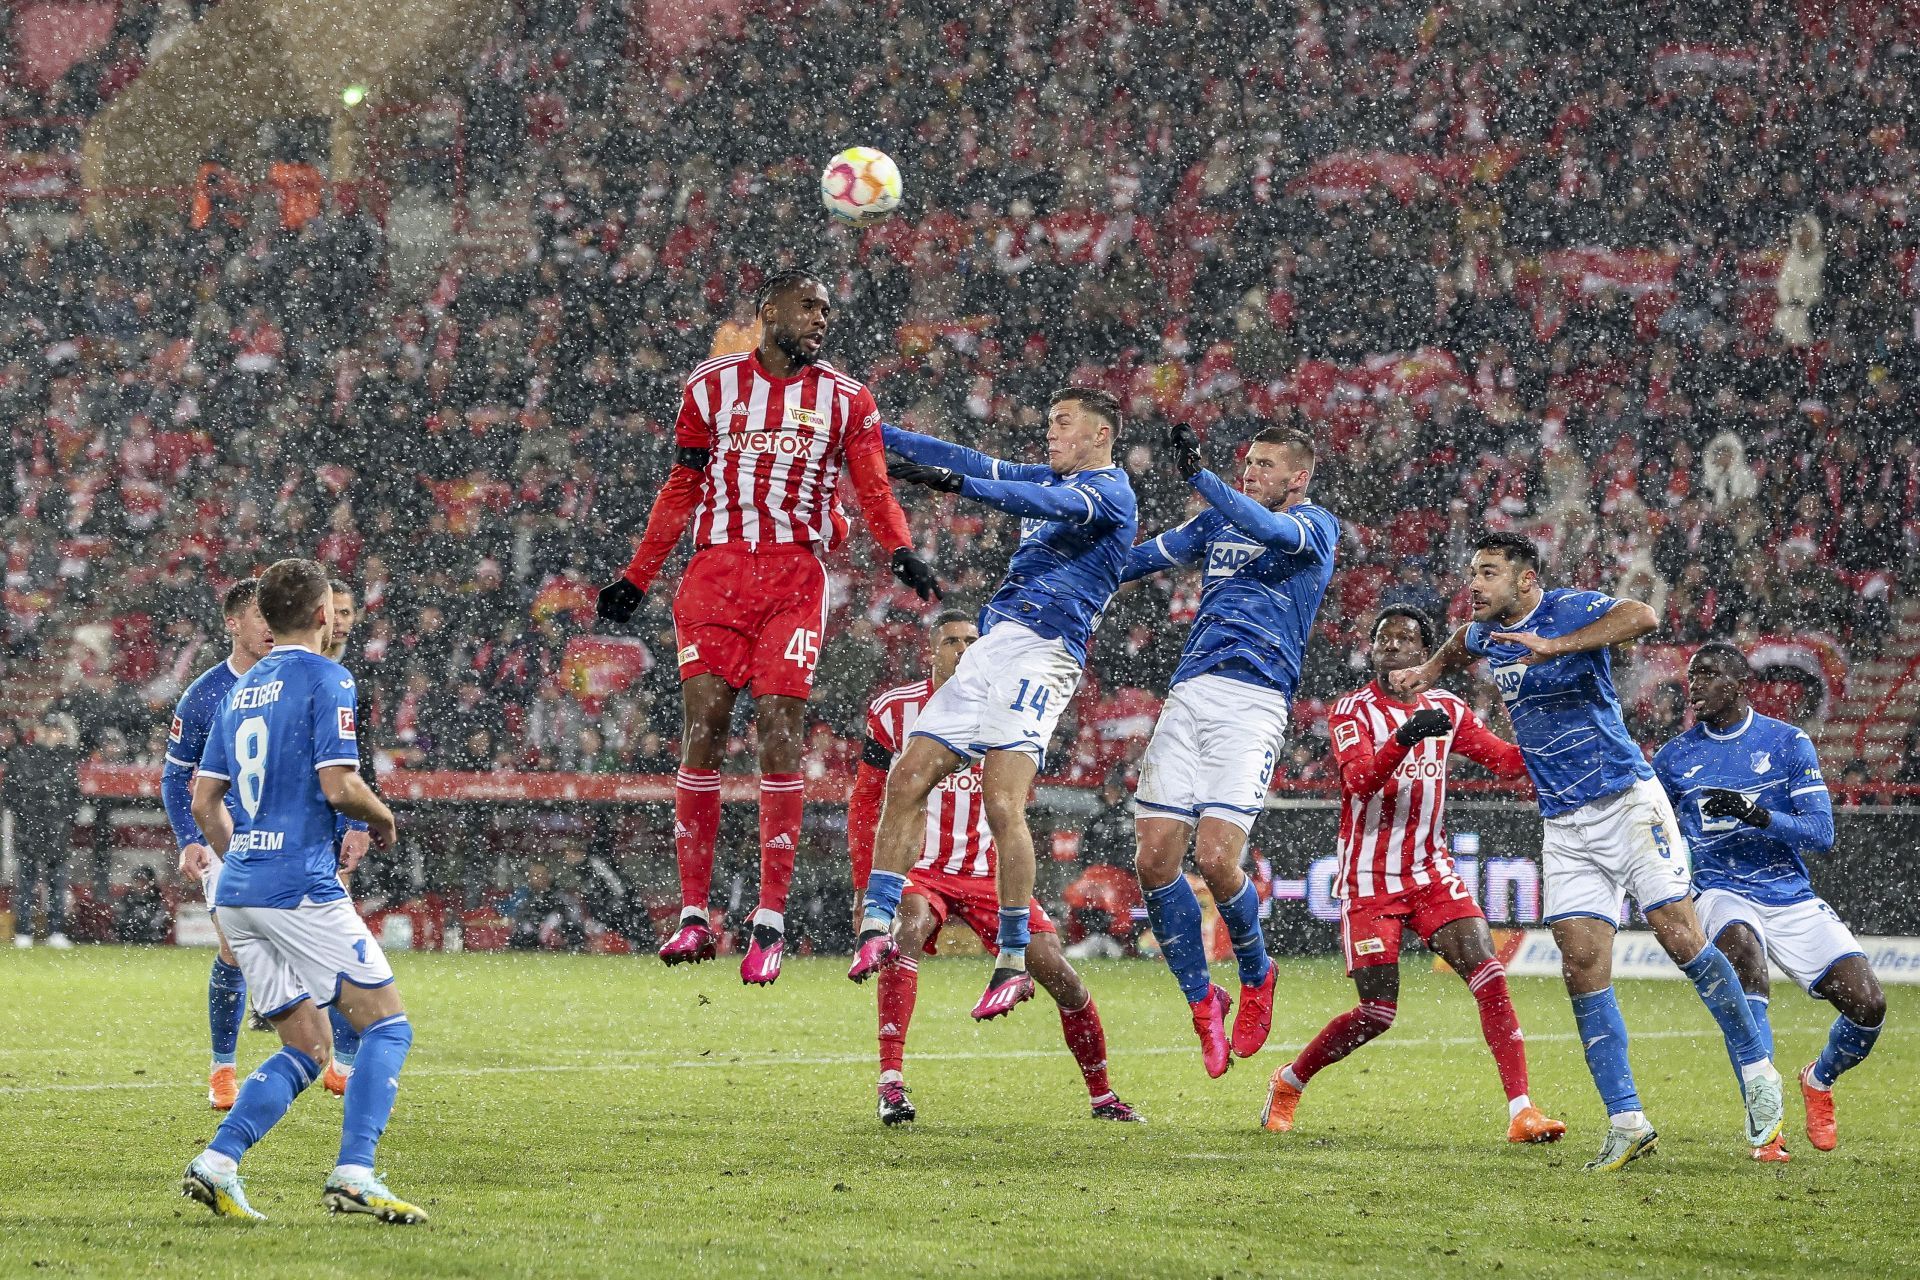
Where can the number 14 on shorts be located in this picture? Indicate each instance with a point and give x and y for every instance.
(1032, 697)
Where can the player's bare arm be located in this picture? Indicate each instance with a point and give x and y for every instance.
(349, 793)
(1411, 682)
(1626, 621)
(210, 811)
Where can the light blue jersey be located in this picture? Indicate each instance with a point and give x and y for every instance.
(1771, 763)
(1075, 532)
(193, 716)
(285, 720)
(1265, 574)
(1566, 715)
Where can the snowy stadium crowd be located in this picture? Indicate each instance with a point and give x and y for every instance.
(1638, 281)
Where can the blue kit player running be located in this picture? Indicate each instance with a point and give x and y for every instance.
(1610, 831)
(1753, 803)
(192, 717)
(1266, 556)
(286, 744)
(1005, 698)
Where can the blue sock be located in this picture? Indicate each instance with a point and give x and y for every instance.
(1603, 1033)
(1174, 911)
(346, 1041)
(1719, 987)
(1848, 1043)
(226, 1005)
(371, 1090)
(1762, 1027)
(264, 1098)
(1242, 914)
(1013, 937)
(883, 894)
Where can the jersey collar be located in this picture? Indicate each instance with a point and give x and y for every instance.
(292, 648)
(1531, 615)
(1745, 725)
(228, 663)
(1385, 694)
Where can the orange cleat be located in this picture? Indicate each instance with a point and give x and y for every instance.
(1774, 1152)
(222, 1087)
(1822, 1132)
(1535, 1125)
(334, 1078)
(1282, 1098)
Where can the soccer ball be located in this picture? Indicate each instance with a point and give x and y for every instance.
(860, 186)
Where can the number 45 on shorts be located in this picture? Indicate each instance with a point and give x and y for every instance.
(803, 649)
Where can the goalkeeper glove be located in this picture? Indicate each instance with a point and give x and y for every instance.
(916, 573)
(618, 600)
(1720, 803)
(1425, 723)
(942, 478)
(1186, 450)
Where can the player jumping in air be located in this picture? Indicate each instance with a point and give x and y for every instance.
(186, 738)
(285, 743)
(1610, 831)
(1266, 556)
(1752, 801)
(763, 436)
(1009, 690)
(954, 876)
(1395, 873)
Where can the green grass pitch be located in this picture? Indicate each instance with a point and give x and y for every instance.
(567, 1116)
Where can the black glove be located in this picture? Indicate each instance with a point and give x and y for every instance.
(1719, 803)
(1430, 722)
(1185, 446)
(916, 573)
(941, 478)
(618, 600)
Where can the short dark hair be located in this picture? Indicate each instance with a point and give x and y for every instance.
(1428, 634)
(339, 586)
(947, 617)
(780, 281)
(239, 596)
(1730, 653)
(290, 590)
(1101, 404)
(1516, 547)
(1287, 438)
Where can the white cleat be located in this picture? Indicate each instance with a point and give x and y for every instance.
(1623, 1147)
(1765, 1107)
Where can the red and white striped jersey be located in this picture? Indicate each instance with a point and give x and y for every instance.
(958, 841)
(1393, 798)
(776, 446)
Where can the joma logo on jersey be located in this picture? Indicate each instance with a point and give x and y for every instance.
(788, 444)
(1224, 559)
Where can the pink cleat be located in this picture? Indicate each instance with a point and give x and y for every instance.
(691, 943)
(1256, 1015)
(764, 953)
(1005, 989)
(877, 951)
(1210, 1024)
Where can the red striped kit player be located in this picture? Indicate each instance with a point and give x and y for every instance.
(1396, 874)
(954, 879)
(763, 438)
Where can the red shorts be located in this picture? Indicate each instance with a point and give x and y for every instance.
(975, 901)
(752, 617)
(1370, 927)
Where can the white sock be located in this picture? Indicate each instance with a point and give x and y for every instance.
(1516, 1105)
(892, 1077)
(1628, 1119)
(873, 924)
(1010, 958)
(1756, 1070)
(693, 913)
(352, 1171)
(1293, 1081)
(772, 919)
(219, 1163)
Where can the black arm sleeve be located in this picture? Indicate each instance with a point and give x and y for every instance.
(876, 755)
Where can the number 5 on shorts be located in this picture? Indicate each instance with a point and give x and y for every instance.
(1034, 700)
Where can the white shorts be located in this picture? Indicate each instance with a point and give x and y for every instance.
(1627, 844)
(1806, 939)
(1007, 694)
(292, 954)
(1213, 752)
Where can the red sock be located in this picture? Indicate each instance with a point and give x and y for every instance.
(1342, 1036)
(1087, 1040)
(1500, 1025)
(782, 797)
(696, 828)
(899, 984)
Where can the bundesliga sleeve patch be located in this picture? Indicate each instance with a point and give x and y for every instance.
(345, 715)
(1346, 735)
(174, 734)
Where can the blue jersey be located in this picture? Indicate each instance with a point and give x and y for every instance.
(1075, 532)
(1774, 765)
(285, 720)
(186, 739)
(1264, 575)
(1566, 715)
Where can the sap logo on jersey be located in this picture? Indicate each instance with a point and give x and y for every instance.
(1507, 679)
(1224, 559)
(259, 695)
(265, 841)
(788, 444)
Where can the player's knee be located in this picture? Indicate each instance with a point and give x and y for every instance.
(1868, 1008)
